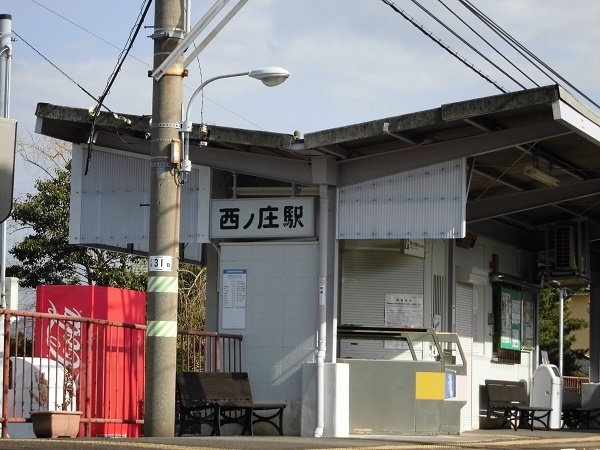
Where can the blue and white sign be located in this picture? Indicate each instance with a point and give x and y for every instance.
(262, 218)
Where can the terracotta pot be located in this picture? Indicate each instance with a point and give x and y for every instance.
(53, 424)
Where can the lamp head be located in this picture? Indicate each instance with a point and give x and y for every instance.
(270, 76)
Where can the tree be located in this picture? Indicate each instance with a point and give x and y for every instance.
(191, 305)
(549, 314)
(44, 255)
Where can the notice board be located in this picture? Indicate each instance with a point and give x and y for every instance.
(403, 311)
(233, 306)
(510, 312)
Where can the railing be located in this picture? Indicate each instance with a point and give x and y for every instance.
(446, 344)
(203, 351)
(574, 382)
(91, 365)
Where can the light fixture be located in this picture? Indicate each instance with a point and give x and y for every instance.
(270, 76)
(542, 177)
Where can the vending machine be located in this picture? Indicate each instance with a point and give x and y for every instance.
(106, 361)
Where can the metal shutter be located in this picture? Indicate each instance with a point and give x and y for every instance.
(367, 275)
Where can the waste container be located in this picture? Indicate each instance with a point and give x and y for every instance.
(546, 392)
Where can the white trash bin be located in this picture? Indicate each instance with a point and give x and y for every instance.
(546, 392)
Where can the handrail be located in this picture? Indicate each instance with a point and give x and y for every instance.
(410, 336)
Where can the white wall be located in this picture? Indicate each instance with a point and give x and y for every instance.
(513, 261)
(281, 317)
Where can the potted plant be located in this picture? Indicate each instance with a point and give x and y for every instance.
(61, 422)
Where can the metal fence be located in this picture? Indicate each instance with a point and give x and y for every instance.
(574, 382)
(93, 366)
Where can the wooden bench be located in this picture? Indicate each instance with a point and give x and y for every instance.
(219, 398)
(573, 415)
(508, 400)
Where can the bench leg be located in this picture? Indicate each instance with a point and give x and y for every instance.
(528, 418)
(271, 420)
(216, 421)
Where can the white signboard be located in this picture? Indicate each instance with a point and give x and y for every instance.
(262, 217)
(233, 307)
(403, 311)
(414, 247)
(160, 263)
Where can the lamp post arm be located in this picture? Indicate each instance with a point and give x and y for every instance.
(210, 80)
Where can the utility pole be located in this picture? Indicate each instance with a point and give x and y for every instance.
(161, 302)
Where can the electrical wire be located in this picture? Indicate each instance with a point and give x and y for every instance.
(120, 60)
(58, 68)
(498, 52)
(464, 41)
(86, 30)
(446, 47)
(521, 49)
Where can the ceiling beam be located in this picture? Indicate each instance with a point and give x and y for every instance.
(272, 167)
(522, 201)
(379, 165)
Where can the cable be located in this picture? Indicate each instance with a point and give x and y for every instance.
(58, 68)
(489, 44)
(132, 36)
(520, 48)
(464, 41)
(443, 45)
(86, 30)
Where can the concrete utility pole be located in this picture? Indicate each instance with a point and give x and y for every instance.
(161, 303)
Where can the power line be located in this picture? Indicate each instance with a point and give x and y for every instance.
(489, 44)
(120, 60)
(446, 47)
(86, 30)
(464, 41)
(521, 49)
(57, 68)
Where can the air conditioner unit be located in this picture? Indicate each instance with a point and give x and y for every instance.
(570, 265)
(565, 248)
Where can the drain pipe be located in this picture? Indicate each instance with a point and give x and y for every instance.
(322, 332)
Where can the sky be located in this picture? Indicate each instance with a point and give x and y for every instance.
(350, 61)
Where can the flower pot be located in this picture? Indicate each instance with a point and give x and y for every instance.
(53, 424)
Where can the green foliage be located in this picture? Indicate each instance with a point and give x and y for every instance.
(45, 256)
(549, 331)
(20, 345)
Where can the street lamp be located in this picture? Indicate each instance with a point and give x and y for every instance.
(270, 76)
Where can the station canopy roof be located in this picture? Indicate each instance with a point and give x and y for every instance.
(533, 156)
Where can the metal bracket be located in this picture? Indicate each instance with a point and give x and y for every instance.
(161, 164)
(182, 74)
(166, 125)
(177, 33)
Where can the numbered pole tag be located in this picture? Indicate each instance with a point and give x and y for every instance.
(160, 264)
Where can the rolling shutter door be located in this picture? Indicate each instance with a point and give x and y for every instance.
(367, 275)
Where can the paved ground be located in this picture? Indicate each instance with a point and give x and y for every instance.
(480, 439)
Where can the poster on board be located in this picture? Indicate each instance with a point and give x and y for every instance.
(402, 311)
(510, 331)
(233, 306)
